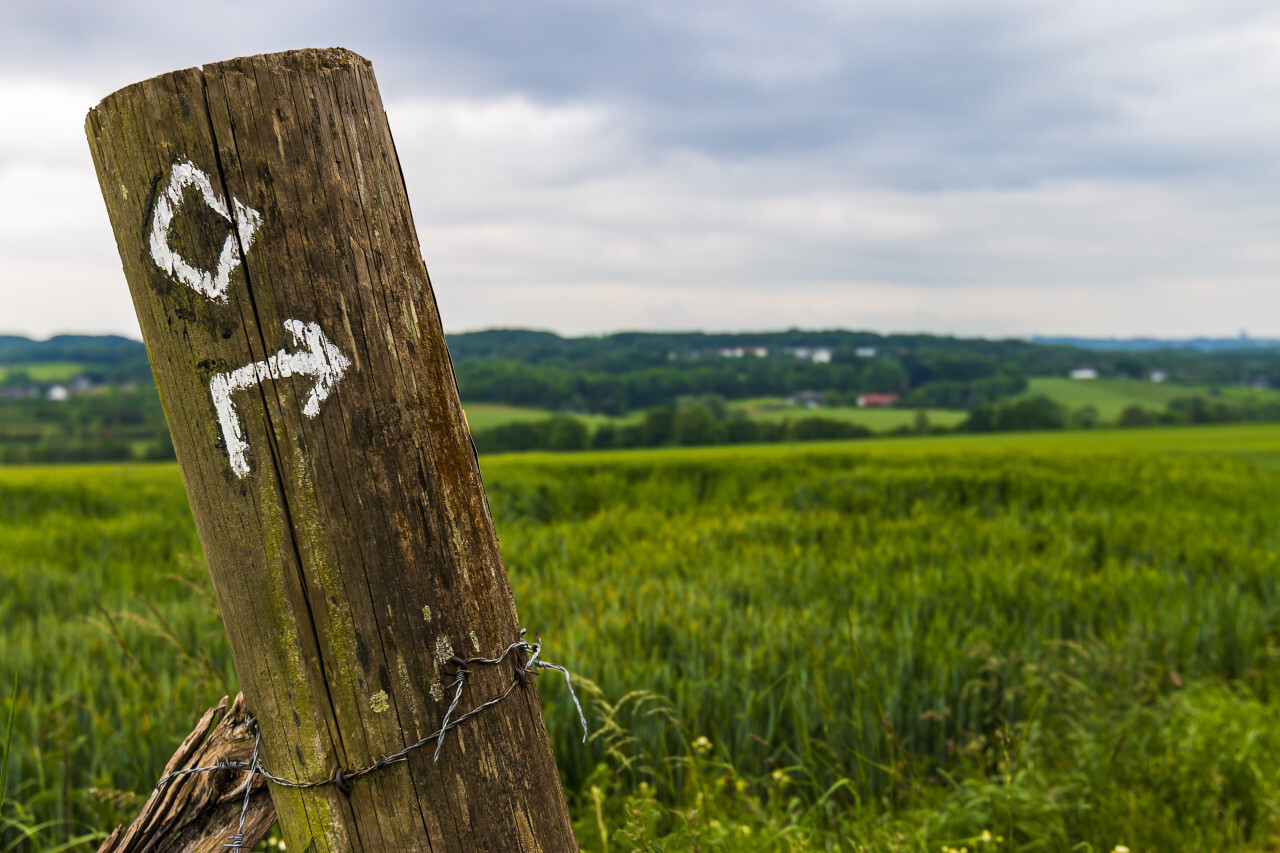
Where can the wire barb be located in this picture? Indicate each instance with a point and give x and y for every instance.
(236, 842)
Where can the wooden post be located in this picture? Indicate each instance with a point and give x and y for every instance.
(266, 237)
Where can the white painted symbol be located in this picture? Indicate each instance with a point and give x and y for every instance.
(246, 220)
(320, 359)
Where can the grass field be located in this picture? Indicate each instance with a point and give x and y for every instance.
(876, 420)
(485, 415)
(1068, 641)
(1111, 396)
(49, 371)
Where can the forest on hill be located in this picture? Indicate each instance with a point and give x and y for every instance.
(83, 398)
(616, 374)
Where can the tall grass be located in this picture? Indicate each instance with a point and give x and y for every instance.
(8, 741)
(1059, 644)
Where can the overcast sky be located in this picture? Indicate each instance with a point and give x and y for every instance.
(976, 168)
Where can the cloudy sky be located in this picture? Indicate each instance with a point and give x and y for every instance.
(957, 166)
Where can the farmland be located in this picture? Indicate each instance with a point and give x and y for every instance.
(1111, 396)
(482, 416)
(487, 415)
(91, 399)
(874, 419)
(1060, 640)
(42, 372)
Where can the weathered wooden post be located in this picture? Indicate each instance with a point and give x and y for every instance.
(267, 240)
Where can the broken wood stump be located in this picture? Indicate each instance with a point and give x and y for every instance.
(197, 813)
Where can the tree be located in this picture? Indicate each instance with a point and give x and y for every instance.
(694, 424)
(566, 433)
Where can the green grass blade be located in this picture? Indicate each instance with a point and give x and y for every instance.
(8, 739)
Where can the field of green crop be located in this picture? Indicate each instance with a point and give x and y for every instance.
(482, 416)
(46, 371)
(1022, 642)
(486, 415)
(874, 419)
(1111, 396)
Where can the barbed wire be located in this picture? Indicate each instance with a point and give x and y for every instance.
(341, 778)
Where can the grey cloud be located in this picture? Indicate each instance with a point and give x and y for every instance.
(914, 95)
(801, 162)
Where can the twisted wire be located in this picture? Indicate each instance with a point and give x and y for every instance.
(236, 841)
(342, 778)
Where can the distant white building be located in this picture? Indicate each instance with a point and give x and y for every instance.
(57, 393)
(1084, 373)
(1158, 376)
(758, 352)
(818, 355)
(732, 352)
(865, 352)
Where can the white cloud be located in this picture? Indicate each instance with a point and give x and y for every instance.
(59, 270)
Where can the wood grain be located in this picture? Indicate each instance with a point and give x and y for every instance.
(357, 554)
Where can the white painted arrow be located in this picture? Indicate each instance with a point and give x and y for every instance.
(320, 359)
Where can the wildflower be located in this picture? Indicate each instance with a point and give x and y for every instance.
(1120, 848)
(702, 745)
(744, 829)
(986, 836)
(739, 785)
(780, 777)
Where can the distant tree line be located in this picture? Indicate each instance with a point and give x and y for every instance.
(679, 381)
(105, 358)
(706, 420)
(614, 374)
(622, 373)
(924, 380)
(1041, 413)
(691, 421)
(118, 426)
